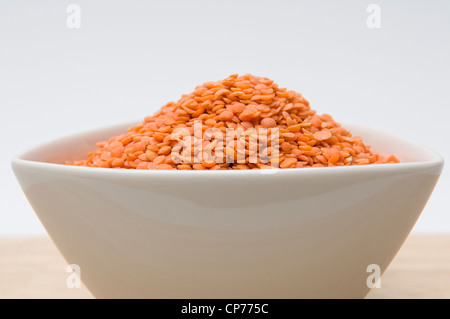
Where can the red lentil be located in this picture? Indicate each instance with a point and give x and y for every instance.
(242, 103)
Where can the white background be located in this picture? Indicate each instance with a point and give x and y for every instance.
(131, 57)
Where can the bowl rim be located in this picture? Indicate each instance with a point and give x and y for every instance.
(436, 160)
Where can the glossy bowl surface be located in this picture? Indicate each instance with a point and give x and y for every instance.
(290, 233)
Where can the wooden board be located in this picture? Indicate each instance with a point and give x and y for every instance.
(33, 268)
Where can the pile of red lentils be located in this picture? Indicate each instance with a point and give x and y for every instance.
(305, 139)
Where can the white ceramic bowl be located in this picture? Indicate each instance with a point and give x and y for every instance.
(296, 233)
